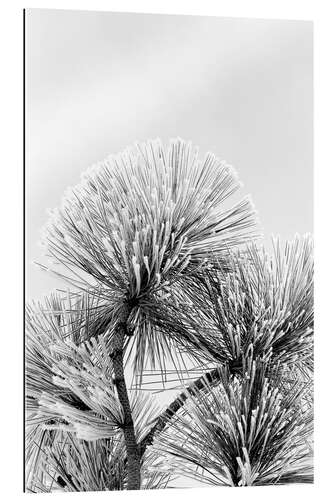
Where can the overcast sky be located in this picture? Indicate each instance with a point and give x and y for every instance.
(97, 82)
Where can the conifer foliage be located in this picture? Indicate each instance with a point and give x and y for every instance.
(165, 276)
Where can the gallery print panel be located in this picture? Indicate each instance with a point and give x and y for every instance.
(169, 251)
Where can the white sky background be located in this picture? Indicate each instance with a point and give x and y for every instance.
(97, 82)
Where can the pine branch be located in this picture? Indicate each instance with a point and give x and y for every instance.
(147, 239)
(212, 377)
(117, 354)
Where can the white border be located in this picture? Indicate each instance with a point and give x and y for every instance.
(11, 228)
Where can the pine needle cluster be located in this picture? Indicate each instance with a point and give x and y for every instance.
(165, 277)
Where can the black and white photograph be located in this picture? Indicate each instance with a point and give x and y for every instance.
(169, 305)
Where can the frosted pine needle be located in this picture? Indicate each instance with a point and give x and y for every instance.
(148, 213)
(245, 431)
(263, 305)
